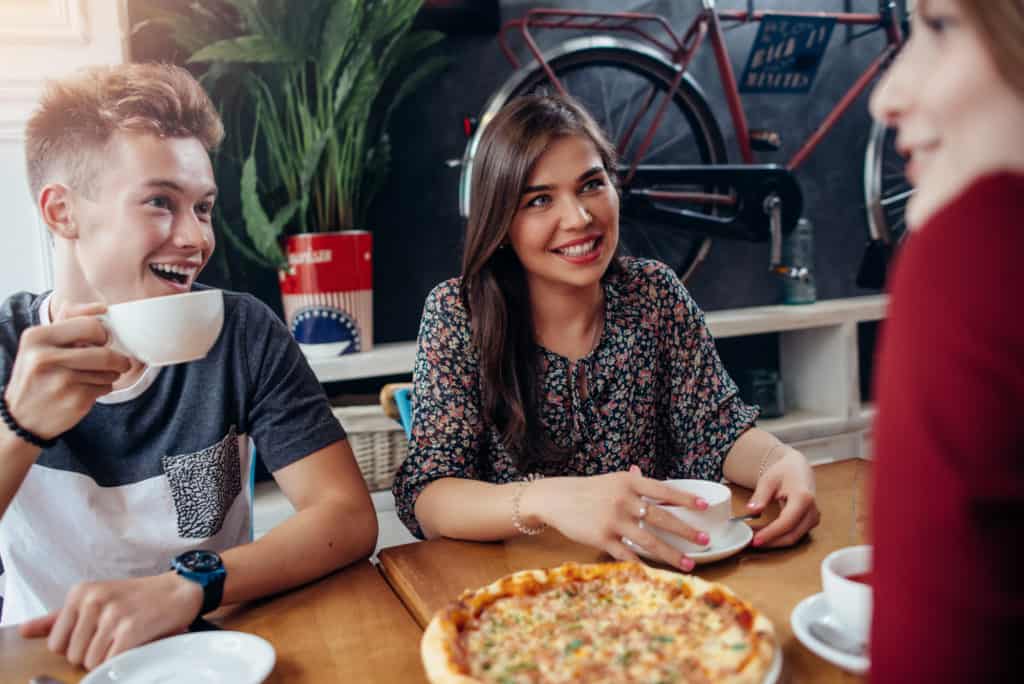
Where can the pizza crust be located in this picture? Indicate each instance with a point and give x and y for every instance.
(441, 645)
(437, 639)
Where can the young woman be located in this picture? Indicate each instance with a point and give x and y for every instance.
(948, 496)
(552, 357)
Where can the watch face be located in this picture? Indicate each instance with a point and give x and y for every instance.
(200, 561)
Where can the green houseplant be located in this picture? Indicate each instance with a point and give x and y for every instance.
(307, 91)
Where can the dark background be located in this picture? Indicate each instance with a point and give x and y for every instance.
(415, 221)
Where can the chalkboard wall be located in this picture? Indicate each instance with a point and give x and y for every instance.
(416, 225)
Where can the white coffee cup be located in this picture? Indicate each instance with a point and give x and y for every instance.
(161, 331)
(849, 601)
(714, 520)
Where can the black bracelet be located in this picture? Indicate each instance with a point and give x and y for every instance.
(30, 437)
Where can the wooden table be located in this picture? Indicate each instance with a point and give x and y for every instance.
(348, 627)
(428, 575)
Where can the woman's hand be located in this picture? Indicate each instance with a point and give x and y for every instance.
(600, 510)
(790, 481)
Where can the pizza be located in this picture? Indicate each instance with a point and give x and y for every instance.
(596, 623)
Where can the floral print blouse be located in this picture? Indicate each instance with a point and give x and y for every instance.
(657, 394)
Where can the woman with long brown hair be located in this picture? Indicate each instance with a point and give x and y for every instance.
(554, 358)
(948, 496)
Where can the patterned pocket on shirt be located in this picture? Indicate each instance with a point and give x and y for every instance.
(204, 485)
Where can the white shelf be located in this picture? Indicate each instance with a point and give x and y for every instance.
(799, 425)
(392, 358)
(396, 358)
(781, 318)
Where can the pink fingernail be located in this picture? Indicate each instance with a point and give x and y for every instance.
(751, 504)
(757, 541)
(703, 538)
(701, 503)
(686, 563)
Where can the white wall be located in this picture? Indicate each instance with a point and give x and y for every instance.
(40, 39)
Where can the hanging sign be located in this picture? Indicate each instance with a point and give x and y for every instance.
(786, 53)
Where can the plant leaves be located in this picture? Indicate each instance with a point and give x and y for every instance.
(253, 48)
(311, 160)
(405, 48)
(238, 242)
(261, 230)
(340, 33)
(307, 89)
(391, 16)
(349, 77)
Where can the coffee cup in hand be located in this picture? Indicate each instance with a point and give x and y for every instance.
(161, 331)
(714, 520)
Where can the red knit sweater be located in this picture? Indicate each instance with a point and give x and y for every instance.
(948, 491)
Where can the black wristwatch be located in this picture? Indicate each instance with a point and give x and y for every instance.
(206, 569)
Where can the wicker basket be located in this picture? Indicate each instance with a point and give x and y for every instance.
(379, 443)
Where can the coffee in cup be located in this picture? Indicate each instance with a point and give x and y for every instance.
(843, 575)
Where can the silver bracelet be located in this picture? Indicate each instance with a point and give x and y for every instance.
(517, 521)
(764, 460)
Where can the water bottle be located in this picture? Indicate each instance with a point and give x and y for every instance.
(798, 252)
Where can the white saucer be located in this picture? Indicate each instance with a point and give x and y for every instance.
(196, 658)
(737, 536)
(816, 608)
(772, 676)
(325, 350)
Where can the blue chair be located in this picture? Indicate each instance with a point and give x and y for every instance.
(396, 401)
(403, 400)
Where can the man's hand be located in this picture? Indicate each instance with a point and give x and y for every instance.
(101, 619)
(60, 371)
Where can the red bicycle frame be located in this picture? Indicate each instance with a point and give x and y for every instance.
(655, 30)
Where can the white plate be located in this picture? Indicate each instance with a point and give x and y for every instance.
(816, 608)
(737, 536)
(772, 676)
(197, 658)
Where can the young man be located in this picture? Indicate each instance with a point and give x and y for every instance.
(111, 472)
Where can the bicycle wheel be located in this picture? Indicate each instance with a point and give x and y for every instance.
(886, 188)
(622, 84)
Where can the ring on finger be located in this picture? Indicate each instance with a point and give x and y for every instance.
(643, 510)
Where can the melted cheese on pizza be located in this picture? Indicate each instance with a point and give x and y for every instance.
(618, 628)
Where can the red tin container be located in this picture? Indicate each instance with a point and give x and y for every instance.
(328, 291)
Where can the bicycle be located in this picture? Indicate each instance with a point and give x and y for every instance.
(678, 189)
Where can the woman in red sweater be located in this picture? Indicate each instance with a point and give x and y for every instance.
(948, 491)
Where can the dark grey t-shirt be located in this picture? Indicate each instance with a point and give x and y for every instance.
(160, 467)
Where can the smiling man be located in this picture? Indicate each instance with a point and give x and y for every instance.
(114, 475)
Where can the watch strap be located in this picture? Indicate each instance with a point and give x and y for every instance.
(213, 592)
(210, 581)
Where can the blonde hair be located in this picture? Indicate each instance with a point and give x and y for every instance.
(1001, 25)
(77, 116)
